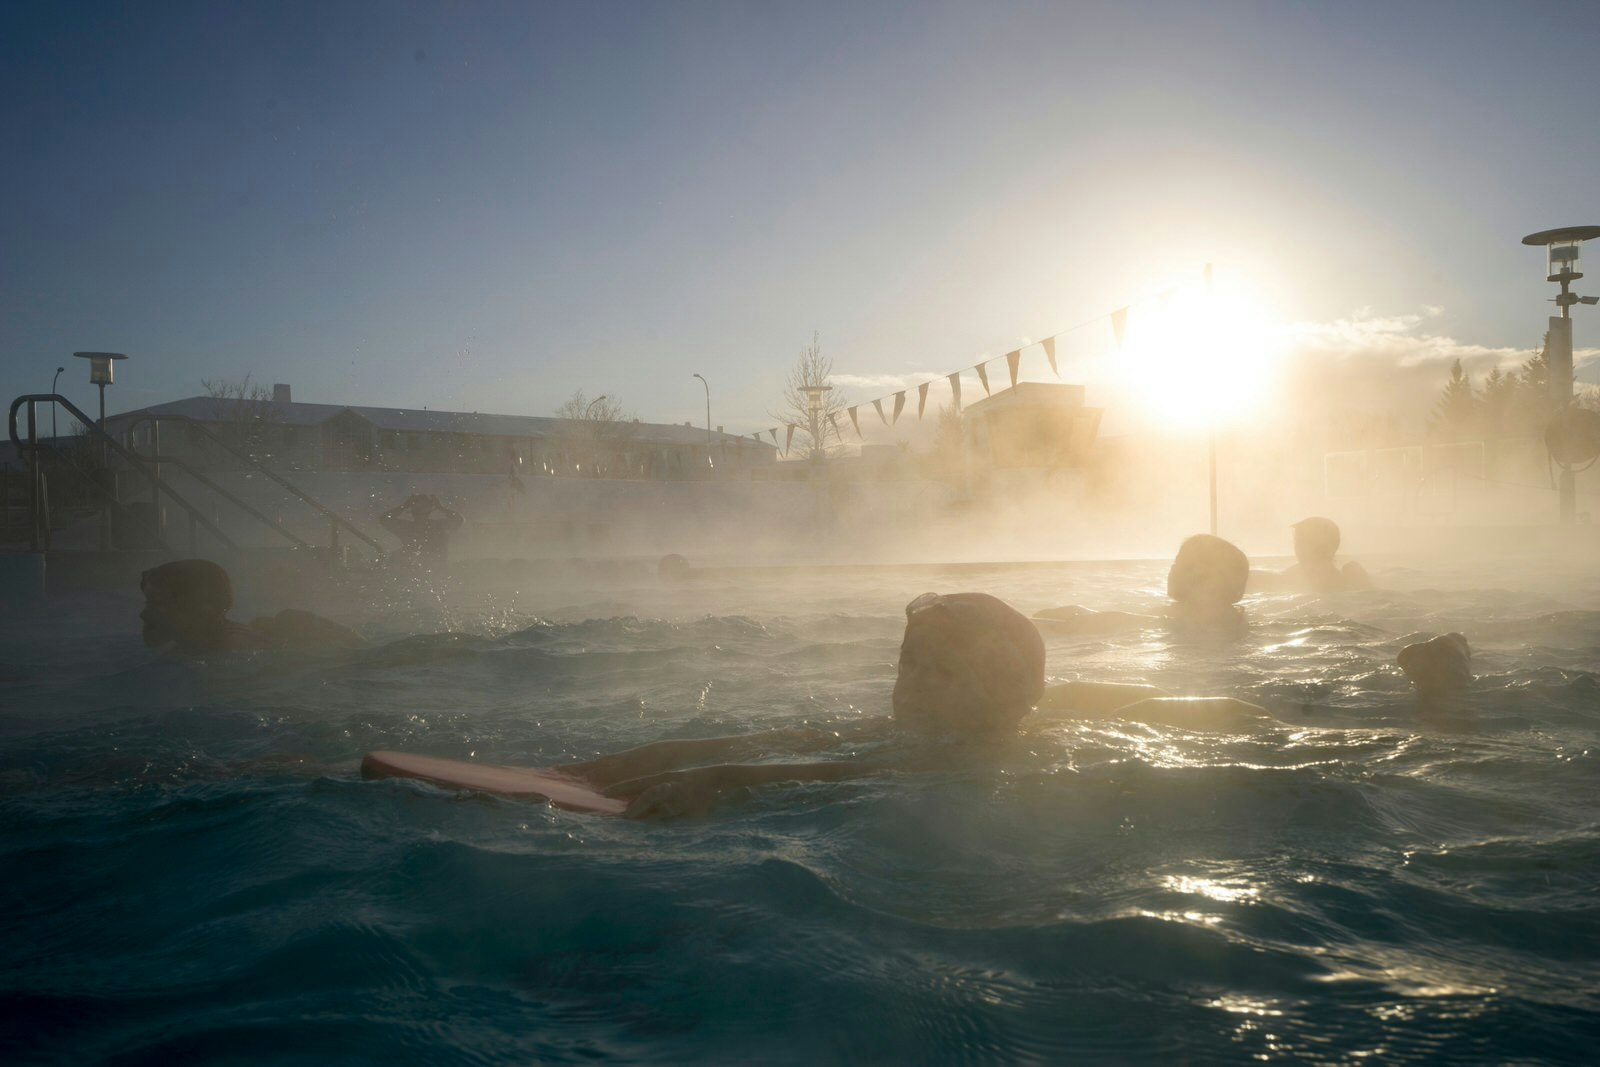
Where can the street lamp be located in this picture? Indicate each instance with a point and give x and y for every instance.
(1562, 248)
(708, 415)
(100, 374)
(592, 403)
(53, 381)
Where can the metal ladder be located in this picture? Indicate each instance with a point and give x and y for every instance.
(148, 467)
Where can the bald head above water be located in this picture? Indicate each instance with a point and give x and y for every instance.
(1208, 573)
(969, 664)
(1316, 540)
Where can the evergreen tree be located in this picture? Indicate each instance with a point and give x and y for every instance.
(1455, 412)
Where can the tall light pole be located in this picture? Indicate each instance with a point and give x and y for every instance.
(592, 403)
(53, 381)
(1562, 247)
(708, 415)
(815, 396)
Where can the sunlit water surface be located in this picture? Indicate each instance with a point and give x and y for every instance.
(194, 870)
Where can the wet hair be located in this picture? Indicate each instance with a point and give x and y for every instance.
(192, 583)
(1319, 534)
(969, 663)
(1203, 559)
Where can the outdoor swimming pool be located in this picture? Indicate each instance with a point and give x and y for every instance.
(196, 871)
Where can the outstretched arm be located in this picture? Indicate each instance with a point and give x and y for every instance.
(1092, 700)
(694, 791)
(664, 756)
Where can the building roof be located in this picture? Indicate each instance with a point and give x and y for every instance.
(413, 420)
(1030, 394)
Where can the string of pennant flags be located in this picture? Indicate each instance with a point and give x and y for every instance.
(1013, 358)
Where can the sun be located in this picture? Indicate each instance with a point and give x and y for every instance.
(1201, 357)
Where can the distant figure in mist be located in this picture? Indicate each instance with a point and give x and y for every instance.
(1316, 542)
(1205, 584)
(423, 538)
(186, 605)
(971, 670)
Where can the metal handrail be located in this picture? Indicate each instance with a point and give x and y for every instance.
(255, 464)
(95, 430)
(189, 469)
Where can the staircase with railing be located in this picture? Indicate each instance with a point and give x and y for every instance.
(88, 466)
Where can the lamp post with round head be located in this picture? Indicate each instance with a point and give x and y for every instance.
(1562, 249)
(708, 415)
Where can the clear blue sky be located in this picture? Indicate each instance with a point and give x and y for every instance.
(487, 206)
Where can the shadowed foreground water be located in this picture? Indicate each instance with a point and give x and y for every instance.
(194, 870)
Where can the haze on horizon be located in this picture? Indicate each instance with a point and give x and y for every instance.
(487, 207)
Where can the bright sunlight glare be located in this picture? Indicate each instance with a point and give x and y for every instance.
(1202, 356)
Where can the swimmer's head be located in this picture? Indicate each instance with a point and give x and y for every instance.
(1207, 573)
(1439, 667)
(186, 603)
(970, 664)
(1316, 540)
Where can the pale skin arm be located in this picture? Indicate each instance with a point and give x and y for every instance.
(660, 757)
(694, 791)
(1089, 700)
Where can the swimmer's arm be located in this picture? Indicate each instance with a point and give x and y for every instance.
(694, 791)
(664, 756)
(1088, 700)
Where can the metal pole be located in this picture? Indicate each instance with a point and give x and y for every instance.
(1213, 451)
(56, 378)
(37, 489)
(1560, 353)
(708, 415)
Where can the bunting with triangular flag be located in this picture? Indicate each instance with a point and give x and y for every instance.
(788, 438)
(922, 398)
(983, 378)
(955, 389)
(1119, 324)
(774, 433)
(1013, 357)
(1050, 353)
(899, 403)
(878, 407)
(855, 422)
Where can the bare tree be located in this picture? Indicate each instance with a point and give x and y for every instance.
(811, 369)
(596, 433)
(248, 413)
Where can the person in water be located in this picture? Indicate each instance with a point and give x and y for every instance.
(1205, 584)
(186, 605)
(423, 538)
(1316, 542)
(971, 670)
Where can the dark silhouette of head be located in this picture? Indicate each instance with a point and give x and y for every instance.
(1208, 573)
(970, 664)
(186, 602)
(1316, 540)
(1441, 667)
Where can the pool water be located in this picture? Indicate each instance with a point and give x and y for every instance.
(194, 870)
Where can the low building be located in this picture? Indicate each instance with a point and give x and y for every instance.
(1034, 425)
(289, 435)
